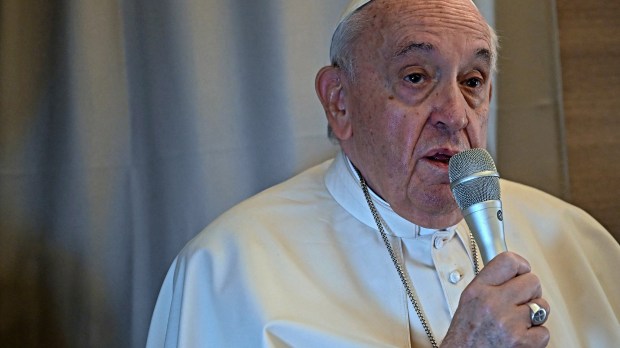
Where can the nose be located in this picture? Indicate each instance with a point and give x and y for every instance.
(449, 112)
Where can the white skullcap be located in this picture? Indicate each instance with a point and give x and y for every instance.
(353, 5)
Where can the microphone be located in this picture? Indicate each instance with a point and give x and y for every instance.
(475, 185)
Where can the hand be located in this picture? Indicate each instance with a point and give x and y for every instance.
(493, 310)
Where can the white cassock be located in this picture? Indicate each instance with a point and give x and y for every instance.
(303, 265)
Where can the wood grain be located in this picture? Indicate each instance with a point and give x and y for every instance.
(590, 56)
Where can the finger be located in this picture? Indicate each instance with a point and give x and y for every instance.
(522, 289)
(541, 302)
(525, 312)
(503, 267)
(536, 336)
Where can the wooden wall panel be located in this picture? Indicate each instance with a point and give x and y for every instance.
(530, 146)
(590, 56)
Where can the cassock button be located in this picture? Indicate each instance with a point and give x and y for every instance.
(455, 277)
(439, 242)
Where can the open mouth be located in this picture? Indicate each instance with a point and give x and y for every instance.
(440, 158)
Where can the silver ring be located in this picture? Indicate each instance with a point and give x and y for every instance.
(538, 315)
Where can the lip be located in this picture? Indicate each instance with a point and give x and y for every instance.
(441, 151)
(439, 158)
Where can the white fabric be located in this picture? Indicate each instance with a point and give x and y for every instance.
(352, 7)
(302, 265)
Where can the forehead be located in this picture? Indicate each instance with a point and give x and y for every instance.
(398, 23)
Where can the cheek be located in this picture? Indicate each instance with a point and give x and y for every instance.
(479, 128)
(404, 128)
(370, 109)
(402, 136)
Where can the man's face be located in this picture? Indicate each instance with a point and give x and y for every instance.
(420, 94)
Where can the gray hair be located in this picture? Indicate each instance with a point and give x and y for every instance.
(350, 28)
(341, 49)
(343, 40)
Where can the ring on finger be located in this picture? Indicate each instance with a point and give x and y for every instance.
(538, 315)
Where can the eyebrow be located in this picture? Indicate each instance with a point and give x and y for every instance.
(485, 54)
(416, 46)
(482, 53)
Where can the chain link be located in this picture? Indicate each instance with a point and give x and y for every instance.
(399, 269)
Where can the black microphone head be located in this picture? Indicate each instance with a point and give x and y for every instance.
(475, 164)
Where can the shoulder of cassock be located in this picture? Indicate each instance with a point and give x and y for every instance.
(574, 256)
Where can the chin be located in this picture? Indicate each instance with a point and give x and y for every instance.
(440, 201)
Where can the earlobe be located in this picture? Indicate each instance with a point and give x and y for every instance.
(331, 92)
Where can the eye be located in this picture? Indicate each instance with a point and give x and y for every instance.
(473, 82)
(415, 78)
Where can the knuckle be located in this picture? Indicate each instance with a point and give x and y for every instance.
(535, 284)
(539, 288)
(477, 294)
(535, 279)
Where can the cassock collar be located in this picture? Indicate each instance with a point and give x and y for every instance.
(343, 183)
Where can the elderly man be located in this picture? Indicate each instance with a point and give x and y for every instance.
(370, 249)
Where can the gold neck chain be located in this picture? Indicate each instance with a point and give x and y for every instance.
(399, 268)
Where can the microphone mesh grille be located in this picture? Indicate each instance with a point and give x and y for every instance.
(484, 188)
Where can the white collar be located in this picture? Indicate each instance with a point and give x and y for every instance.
(343, 183)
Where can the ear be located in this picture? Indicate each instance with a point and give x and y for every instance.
(330, 90)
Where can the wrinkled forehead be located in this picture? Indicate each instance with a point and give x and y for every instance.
(356, 4)
(440, 17)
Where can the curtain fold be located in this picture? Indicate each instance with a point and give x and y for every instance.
(126, 126)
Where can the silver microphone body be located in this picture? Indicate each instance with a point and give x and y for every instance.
(486, 225)
(475, 184)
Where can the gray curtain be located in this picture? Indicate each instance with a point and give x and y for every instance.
(125, 128)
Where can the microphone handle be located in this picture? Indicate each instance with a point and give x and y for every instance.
(485, 221)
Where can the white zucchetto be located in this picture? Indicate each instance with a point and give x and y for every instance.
(353, 5)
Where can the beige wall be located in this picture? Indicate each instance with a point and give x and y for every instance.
(590, 55)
